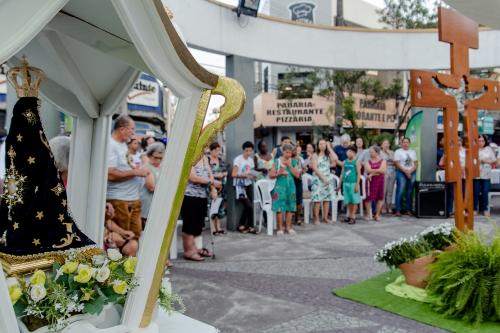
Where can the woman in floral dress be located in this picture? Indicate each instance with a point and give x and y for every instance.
(284, 198)
(324, 159)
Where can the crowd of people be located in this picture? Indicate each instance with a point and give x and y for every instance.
(133, 171)
(134, 168)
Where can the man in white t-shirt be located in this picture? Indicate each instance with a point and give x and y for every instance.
(243, 174)
(406, 163)
(124, 180)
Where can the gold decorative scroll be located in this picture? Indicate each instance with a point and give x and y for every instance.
(200, 138)
(230, 110)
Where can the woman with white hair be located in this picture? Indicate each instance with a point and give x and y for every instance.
(154, 153)
(60, 146)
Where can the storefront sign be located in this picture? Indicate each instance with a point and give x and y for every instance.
(302, 12)
(270, 111)
(146, 91)
(3, 84)
(376, 114)
(3, 91)
(486, 125)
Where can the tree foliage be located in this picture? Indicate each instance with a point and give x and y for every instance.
(409, 14)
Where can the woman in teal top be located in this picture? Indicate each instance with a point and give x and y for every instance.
(283, 193)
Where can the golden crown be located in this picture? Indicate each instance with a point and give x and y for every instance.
(25, 79)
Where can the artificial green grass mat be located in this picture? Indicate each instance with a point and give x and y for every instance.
(372, 292)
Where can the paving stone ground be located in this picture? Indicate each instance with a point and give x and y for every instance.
(263, 284)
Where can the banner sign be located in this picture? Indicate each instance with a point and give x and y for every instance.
(414, 133)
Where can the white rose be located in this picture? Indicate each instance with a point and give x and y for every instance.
(98, 260)
(102, 274)
(12, 281)
(38, 292)
(114, 254)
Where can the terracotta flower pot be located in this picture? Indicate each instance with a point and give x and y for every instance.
(416, 271)
(450, 248)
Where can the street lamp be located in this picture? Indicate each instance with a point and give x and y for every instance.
(247, 7)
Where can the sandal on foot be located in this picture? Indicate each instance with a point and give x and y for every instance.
(205, 253)
(243, 229)
(252, 230)
(291, 232)
(352, 221)
(194, 257)
(280, 233)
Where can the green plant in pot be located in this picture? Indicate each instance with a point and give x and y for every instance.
(466, 281)
(439, 237)
(412, 255)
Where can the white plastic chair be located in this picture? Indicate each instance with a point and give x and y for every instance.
(495, 179)
(336, 197)
(306, 202)
(256, 204)
(265, 201)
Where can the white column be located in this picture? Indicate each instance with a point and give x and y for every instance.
(98, 179)
(79, 170)
(8, 321)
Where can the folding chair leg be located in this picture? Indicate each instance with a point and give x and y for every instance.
(255, 207)
(335, 206)
(261, 217)
(270, 222)
(307, 209)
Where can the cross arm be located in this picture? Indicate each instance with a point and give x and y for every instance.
(490, 100)
(425, 94)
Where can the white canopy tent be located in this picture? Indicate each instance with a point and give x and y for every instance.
(91, 52)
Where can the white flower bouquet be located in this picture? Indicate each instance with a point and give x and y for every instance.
(406, 250)
(74, 288)
(439, 236)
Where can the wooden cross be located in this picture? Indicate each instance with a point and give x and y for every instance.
(457, 93)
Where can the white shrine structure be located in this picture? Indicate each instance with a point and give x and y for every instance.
(92, 51)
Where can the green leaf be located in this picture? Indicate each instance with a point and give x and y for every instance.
(96, 305)
(55, 267)
(19, 308)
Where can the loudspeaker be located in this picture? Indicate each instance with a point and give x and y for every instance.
(431, 200)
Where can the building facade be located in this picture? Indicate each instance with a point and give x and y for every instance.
(283, 97)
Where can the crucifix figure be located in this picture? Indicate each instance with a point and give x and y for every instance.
(457, 93)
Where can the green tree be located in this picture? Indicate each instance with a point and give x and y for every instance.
(409, 14)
